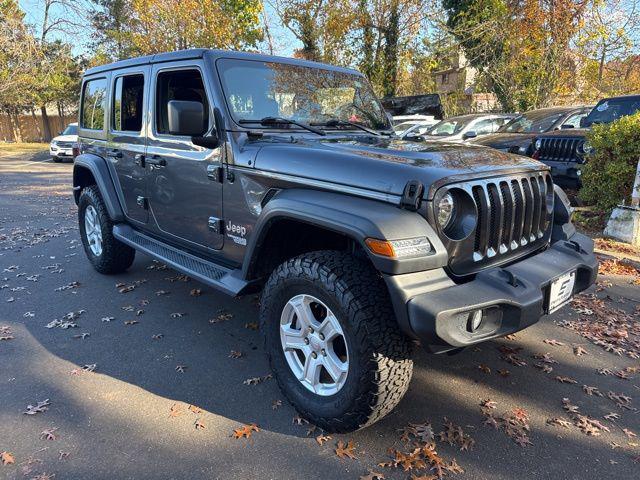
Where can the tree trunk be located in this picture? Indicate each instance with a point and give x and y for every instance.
(392, 35)
(36, 123)
(46, 128)
(15, 127)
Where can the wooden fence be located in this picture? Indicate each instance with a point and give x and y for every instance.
(30, 126)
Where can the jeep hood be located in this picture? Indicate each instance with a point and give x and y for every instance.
(566, 133)
(503, 141)
(386, 164)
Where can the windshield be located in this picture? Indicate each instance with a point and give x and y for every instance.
(532, 122)
(70, 130)
(448, 127)
(255, 90)
(607, 111)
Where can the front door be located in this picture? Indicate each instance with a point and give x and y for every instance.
(127, 141)
(184, 193)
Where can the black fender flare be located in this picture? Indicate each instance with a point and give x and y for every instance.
(99, 170)
(355, 217)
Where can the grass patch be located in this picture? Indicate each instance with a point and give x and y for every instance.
(18, 148)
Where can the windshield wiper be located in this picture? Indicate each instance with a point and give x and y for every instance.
(272, 121)
(336, 122)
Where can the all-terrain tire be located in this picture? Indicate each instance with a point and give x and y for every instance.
(116, 256)
(380, 364)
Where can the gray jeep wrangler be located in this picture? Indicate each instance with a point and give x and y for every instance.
(248, 173)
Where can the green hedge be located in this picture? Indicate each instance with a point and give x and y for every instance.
(609, 172)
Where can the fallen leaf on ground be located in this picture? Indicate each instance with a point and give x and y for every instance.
(40, 407)
(484, 368)
(561, 422)
(553, 341)
(343, 450)
(235, 354)
(578, 350)
(629, 433)
(175, 410)
(199, 424)
(562, 379)
(321, 439)
(195, 409)
(257, 380)
(49, 434)
(251, 325)
(591, 390)
(245, 431)
(181, 368)
(196, 292)
(276, 404)
(7, 458)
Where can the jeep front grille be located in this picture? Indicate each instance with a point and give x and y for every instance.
(513, 219)
(559, 149)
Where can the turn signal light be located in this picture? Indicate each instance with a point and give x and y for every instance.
(409, 247)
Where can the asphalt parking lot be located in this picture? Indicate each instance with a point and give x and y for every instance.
(160, 370)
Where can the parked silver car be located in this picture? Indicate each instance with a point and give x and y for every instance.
(466, 127)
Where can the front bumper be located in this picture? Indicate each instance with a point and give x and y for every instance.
(512, 297)
(565, 174)
(61, 152)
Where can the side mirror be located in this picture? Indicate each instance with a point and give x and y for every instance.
(186, 117)
(583, 122)
(470, 134)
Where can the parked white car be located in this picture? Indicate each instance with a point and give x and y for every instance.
(61, 147)
(466, 127)
(420, 124)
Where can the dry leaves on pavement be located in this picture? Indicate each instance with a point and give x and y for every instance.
(42, 406)
(7, 458)
(245, 431)
(345, 451)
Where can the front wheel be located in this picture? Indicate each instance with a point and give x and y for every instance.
(333, 342)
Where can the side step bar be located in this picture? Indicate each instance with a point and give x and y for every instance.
(209, 273)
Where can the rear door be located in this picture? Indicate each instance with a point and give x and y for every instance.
(184, 191)
(127, 139)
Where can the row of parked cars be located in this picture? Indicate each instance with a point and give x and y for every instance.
(555, 136)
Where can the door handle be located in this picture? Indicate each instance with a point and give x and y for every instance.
(156, 160)
(139, 160)
(114, 154)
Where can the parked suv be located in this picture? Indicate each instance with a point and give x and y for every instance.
(249, 172)
(565, 151)
(62, 146)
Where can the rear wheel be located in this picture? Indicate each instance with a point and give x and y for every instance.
(333, 342)
(106, 253)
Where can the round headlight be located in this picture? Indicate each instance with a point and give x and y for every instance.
(538, 144)
(445, 210)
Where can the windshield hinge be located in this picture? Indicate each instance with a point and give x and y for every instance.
(412, 195)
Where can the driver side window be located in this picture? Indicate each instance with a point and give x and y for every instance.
(179, 85)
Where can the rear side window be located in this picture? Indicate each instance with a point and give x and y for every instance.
(127, 103)
(94, 103)
(178, 85)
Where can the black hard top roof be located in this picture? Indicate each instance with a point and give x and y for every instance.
(197, 53)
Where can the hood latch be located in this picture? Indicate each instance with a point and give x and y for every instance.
(412, 195)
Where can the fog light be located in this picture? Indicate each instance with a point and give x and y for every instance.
(474, 321)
